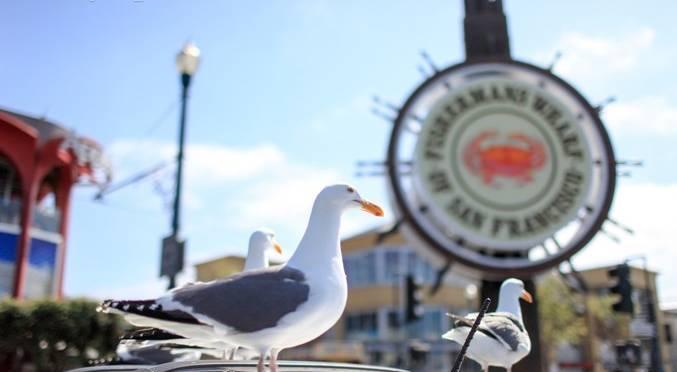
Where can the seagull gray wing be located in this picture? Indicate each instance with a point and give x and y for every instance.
(502, 327)
(246, 302)
(506, 328)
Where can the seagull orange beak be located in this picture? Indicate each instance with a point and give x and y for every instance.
(372, 208)
(278, 249)
(526, 296)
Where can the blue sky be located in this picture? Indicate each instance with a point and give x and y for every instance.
(281, 106)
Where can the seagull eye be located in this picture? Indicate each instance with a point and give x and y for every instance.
(350, 189)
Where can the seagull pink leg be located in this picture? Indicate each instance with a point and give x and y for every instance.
(273, 359)
(259, 366)
(232, 353)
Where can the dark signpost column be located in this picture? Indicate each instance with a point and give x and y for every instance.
(486, 37)
(485, 30)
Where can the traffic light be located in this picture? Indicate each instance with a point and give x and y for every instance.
(413, 298)
(623, 288)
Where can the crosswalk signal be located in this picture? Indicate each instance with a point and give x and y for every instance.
(623, 288)
(413, 299)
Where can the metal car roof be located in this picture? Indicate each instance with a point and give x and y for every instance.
(241, 366)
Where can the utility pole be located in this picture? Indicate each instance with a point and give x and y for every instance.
(172, 247)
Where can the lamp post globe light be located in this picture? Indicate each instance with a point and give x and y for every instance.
(187, 62)
(188, 59)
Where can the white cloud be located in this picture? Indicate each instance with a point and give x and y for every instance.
(235, 189)
(208, 167)
(144, 288)
(651, 211)
(585, 56)
(284, 201)
(209, 164)
(284, 197)
(654, 115)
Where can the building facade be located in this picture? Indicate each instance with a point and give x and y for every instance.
(670, 327)
(372, 329)
(636, 328)
(376, 268)
(40, 162)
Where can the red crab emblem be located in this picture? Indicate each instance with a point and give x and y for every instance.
(517, 158)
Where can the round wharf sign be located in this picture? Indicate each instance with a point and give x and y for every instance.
(501, 166)
(502, 163)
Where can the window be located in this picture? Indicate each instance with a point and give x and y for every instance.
(430, 326)
(429, 273)
(369, 268)
(668, 333)
(360, 269)
(392, 266)
(432, 322)
(412, 264)
(361, 324)
(393, 319)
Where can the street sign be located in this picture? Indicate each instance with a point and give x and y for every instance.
(171, 262)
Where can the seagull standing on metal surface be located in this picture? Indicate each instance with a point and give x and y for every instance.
(270, 309)
(261, 243)
(501, 339)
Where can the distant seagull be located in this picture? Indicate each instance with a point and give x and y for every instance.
(261, 242)
(270, 309)
(501, 339)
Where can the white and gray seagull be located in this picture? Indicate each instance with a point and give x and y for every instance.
(270, 309)
(261, 243)
(501, 339)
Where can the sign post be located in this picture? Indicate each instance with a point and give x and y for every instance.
(171, 261)
(499, 167)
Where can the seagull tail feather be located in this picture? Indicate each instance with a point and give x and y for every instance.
(146, 308)
(149, 334)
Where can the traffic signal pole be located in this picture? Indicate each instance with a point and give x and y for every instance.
(413, 312)
(624, 289)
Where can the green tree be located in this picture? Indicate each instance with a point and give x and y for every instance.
(559, 320)
(562, 316)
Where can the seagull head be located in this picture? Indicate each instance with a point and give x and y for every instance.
(346, 197)
(514, 288)
(264, 240)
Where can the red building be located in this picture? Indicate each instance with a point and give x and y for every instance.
(40, 162)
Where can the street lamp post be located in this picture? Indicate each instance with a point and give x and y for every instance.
(187, 62)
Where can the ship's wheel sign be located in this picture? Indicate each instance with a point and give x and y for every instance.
(488, 161)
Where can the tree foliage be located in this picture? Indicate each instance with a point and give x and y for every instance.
(560, 318)
(54, 335)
